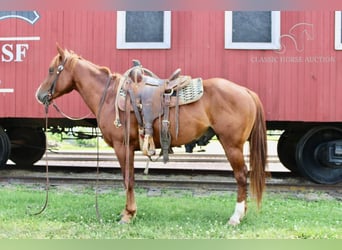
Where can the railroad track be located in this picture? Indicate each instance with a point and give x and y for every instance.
(109, 156)
(107, 159)
(183, 172)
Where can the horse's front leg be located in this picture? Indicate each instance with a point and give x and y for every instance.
(127, 170)
(131, 207)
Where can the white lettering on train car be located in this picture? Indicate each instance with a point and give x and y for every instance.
(14, 52)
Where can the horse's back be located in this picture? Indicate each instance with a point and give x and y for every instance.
(227, 95)
(225, 87)
(231, 106)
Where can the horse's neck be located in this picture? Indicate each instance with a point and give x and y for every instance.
(91, 86)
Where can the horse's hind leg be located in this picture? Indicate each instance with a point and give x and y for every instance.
(236, 159)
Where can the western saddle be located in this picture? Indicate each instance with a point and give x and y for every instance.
(151, 97)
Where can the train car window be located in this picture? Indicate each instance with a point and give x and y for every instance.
(252, 29)
(144, 30)
(338, 30)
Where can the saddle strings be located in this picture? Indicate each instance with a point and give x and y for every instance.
(127, 129)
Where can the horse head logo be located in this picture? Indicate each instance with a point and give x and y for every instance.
(298, 34)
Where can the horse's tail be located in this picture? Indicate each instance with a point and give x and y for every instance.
(258, 152)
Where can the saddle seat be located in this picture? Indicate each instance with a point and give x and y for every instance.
(150, 98)
(171, 81)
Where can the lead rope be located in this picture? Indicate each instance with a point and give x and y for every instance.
(102, 100)
(47, 183)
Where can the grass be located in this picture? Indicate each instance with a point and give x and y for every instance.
(170, 215)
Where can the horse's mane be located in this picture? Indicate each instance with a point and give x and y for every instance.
(72, 59)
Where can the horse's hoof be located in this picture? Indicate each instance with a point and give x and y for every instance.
(123, 222)
(234, 221)
(126, 218)
(239, 213)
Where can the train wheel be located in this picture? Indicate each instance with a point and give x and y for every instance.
(5, 147)
(286, 149)
(28, 145)
(319, 155)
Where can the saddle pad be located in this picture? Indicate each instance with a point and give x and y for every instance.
(189, 94)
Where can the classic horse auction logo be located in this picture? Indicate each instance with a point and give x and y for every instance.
(28, 16)
(295, 39)
(298, 34)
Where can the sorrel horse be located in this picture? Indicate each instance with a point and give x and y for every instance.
(232, 111)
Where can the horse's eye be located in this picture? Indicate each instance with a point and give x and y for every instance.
(51, 70)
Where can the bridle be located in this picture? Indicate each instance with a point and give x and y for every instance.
(51, 91)
(52, 88)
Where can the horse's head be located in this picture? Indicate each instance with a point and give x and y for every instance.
(59, 80)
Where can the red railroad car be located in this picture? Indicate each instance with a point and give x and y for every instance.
(292, 59)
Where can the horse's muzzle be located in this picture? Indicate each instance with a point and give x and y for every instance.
(43, 98)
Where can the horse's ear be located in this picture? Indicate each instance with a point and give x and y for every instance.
(60, 50)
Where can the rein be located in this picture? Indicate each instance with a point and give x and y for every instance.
(103, 97)
(69, 117)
